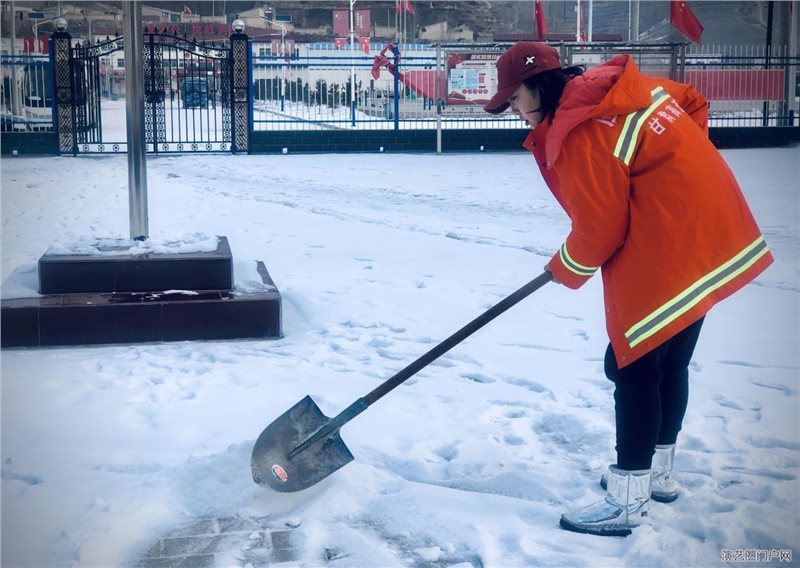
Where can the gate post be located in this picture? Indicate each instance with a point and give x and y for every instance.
(63, 115)
(240, 87)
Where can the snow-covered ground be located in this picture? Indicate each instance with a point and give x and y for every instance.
(379, 257)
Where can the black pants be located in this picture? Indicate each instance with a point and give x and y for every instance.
(651, 395)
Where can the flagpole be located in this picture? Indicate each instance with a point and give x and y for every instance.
(134, 109)
(284, 63)
(352, 68)
(793, 53)
(630, 10)
(591, 9)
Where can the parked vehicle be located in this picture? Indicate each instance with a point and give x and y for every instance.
(33, 90)
(194, 93)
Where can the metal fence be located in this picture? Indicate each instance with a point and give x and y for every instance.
(746, 85)
(445, 86)
(440, 87)
(26, 93)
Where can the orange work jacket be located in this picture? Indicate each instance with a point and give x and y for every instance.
(652, 203)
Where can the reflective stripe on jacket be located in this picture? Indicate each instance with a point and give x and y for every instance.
(652, 204)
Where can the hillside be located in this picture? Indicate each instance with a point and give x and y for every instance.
(741, 22)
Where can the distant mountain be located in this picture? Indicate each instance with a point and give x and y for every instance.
(741, 22)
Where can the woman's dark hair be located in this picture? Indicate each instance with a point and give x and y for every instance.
(550, 86)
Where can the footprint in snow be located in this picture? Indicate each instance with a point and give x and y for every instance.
(384, 354)
(513, 414)
(448, 452)
(725, 402)
(27, 479)
(532, 386)
(773, 443)
(478, 378)
(767, 473)
(572, 434)
(380, 342)
(783, 389)
(740, 364)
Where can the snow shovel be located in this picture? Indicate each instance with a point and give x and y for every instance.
(302, 446)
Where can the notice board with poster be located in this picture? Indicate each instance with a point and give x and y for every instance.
(471, 82)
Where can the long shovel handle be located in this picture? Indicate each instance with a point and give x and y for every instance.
(403, 375)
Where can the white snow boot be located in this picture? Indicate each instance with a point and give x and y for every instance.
(623, 509)
(663, 487)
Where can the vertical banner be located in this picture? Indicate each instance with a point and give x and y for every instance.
(341, 22)
(362, 24)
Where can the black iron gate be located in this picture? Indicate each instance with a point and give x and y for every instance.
(193, 95)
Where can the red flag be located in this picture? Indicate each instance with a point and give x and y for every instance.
(187, 10)
(400, 5)
(339, 42)
(382, 61)
(581, 16)
(364, 41)
(541, 21)
(28, 45)
(683, 19)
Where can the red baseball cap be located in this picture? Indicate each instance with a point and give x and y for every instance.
(524, 59)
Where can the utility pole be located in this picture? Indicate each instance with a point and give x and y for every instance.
(134, 108)
(285, 62)
(770, 20)
(591, 13)
(15, 103)
(791, 72)
(352, 68)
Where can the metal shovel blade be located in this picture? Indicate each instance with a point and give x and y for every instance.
(271, 464)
